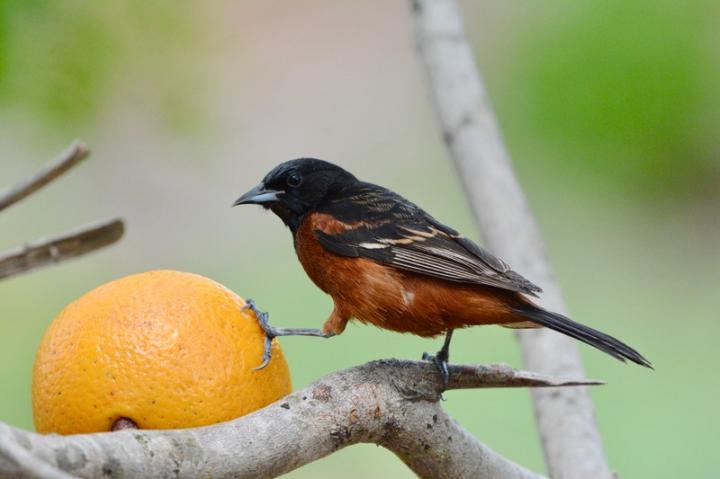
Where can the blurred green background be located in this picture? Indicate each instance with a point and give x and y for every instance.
(610, 110)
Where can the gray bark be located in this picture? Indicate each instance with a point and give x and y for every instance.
(73, 155)
(571, 441)
(390, 403)
(45, 252)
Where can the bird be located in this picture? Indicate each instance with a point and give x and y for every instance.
(387, 262)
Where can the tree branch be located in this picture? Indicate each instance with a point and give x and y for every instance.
(391, 403)
(60, 248)
(73, 155)
(571, 441)
(16, 461)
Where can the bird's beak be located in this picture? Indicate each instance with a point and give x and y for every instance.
(258, 196)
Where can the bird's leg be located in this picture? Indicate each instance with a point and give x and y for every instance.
(441, 358)
(273, 332)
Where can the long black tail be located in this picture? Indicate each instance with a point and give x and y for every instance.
(602, 341)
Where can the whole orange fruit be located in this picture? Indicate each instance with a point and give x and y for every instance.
(165, 349)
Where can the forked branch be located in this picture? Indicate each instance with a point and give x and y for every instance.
(391, 403)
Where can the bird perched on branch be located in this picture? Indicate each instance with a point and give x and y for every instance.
(387, 262)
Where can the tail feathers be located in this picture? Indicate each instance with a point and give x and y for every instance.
(587, 335)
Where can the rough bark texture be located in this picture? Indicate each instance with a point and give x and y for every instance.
(571, 441)
(390, 403)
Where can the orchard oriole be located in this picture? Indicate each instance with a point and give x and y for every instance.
(387, 262)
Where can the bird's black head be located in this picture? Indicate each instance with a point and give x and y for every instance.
(296, 187)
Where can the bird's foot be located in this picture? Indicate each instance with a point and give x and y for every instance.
(262, 317)
(441, 362)
(272, 332)
(264, 321)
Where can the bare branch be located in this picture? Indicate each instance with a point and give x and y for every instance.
(60, 248)
(571, 441)
(64, 161)
(503, 376)
(16, 461)
(391, 403)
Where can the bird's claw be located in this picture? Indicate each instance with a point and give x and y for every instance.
(441, 363)
(264, 322)
(267, 353)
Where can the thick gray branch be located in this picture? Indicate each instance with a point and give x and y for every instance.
(571, 441)
(64, 161)
(60, 248)
(391, 403)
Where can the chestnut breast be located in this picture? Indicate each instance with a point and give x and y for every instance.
(391, 298)
(338, 276)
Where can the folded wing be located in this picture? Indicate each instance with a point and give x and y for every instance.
(414, 241)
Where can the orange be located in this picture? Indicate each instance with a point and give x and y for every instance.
(165, 349)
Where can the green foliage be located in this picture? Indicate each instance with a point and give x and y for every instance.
(54, 67)
(620, 87)
(62, 62)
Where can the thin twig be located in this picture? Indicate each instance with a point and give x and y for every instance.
(64, 161)
(49, 251)
(570, 437)
(504, 376)
(391, 403)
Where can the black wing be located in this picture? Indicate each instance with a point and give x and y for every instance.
(391, 230)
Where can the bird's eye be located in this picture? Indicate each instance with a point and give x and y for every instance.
(294, 180)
